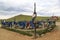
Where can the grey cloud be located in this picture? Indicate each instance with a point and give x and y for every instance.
(7, 13)
(5, 7)
(11, 10)
(44, 13)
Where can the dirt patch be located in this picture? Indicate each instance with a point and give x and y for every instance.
(8, 35)
(54, 35)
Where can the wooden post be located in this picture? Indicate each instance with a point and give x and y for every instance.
(34, 20)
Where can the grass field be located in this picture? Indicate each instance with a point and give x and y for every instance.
(24, 17)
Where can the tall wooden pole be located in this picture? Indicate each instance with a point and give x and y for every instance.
(34, 20)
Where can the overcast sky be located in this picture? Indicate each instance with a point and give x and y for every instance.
(10, 8)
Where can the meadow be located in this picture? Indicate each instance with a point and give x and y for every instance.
(26, 18)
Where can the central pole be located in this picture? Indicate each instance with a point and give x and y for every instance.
(34, 20)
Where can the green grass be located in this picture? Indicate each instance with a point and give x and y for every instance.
(25, 18)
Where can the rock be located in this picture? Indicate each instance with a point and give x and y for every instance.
(42, 35)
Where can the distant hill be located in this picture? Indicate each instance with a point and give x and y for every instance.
(25, 17)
